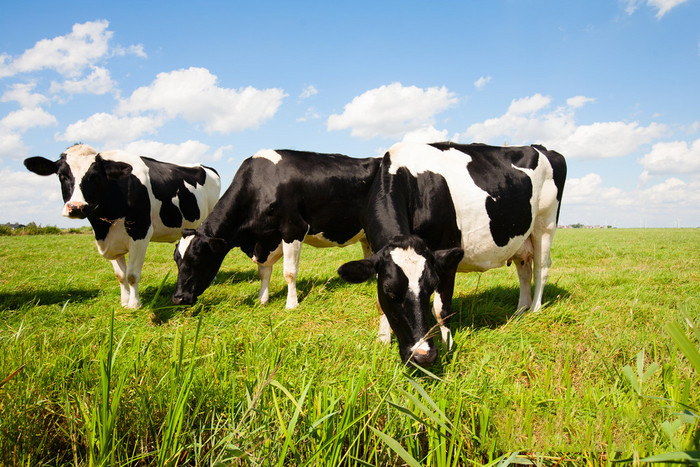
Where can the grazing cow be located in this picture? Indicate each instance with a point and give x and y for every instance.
(277, 201)
(129, 201)
(436, 209)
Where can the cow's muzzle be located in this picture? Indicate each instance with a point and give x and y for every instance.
(183, 299)
(75, 210)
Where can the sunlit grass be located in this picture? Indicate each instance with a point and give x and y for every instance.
(595, 376)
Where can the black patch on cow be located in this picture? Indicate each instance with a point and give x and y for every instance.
(167, 182)
(493, 169)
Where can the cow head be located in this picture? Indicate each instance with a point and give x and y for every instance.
(198, 259)
(84, 176)
(407, 275)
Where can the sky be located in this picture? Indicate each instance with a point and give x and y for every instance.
(612, 85)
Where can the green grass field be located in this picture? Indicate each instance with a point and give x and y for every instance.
(606, 371)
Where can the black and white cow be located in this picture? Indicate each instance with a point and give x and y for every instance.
(277, 200)
(129, 201)
(436, 209)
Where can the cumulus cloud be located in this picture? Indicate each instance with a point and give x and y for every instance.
(426, 134)
(189, 152)
(392, 111)
(589, 190)
(194, 95)
(672, 157)
(308, 91)
(481, 82)
(662, 6)
(111, 130)
(23, 95)
(27, 197)
(97, 82)
(68, 55)
(526, 122)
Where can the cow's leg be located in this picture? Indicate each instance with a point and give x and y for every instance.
(366, 250)
(265, 273)
(292, 253)
(384, 334)
(524, 268)
(119, 266)
(542, 261)
(137, 255)
(442, 306)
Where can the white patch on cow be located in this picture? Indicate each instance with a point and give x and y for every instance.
(420, 347)
(412, 264)
(269, 154)
(184, 244)
(320, 241)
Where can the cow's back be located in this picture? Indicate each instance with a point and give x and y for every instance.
(496, 195)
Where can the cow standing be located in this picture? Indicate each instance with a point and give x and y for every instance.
(129, 201)
(436, 209)
(277, 200)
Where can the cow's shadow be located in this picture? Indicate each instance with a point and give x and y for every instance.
(24, 298)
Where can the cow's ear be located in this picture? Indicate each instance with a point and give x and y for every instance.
(41, 165)
(113, 169)
(188, 232)
(448, 260)
(358, 271)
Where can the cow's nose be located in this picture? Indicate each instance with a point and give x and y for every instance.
(424, 357)
(74, 209)
(182, 300)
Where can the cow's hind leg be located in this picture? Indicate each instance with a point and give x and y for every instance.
(119, 266)
(542, 243)
(292, 253)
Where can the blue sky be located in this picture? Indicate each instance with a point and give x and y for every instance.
(612, 85)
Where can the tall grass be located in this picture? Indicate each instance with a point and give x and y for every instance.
(607, 371)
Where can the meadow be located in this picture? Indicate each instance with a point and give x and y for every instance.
(607, 372)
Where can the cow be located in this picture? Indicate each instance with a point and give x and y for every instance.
(130, 201)
(436, 209)
(278, 199)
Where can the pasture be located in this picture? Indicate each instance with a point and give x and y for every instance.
(596, 376)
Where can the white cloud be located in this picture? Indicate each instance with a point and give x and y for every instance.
(97, 82)
(23, 95)
(310, 114)
(68, 54)
(193, 94)
(427, 134)
(589, 190)
(24, 119)
(578, 101)
(525, 123)
(662, 6)
(672, 158)
(481, 82)
(110, 130)
(189, 152)
(26, 197)
(308, 91)
(392, 111)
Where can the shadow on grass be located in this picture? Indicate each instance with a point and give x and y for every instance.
(31, 298)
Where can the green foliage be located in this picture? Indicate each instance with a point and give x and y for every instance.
(606, 372)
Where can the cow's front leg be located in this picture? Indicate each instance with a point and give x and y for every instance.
(442, 306)
(137, 256)
(524, 268)
(292, 253)
(119, 266)
(384, 334)
(265, 274)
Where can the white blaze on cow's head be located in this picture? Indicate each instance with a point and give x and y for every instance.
(198, 258)
(84, 176)
(407, 275)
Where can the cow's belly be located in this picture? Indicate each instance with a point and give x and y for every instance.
(482, 254)
(319, 241)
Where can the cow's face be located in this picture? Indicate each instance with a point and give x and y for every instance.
(407, 274)
(198, 259)
(84, 176)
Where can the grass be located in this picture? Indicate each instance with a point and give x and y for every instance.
(605, 372)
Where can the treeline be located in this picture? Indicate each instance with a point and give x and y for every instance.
(37, 229)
